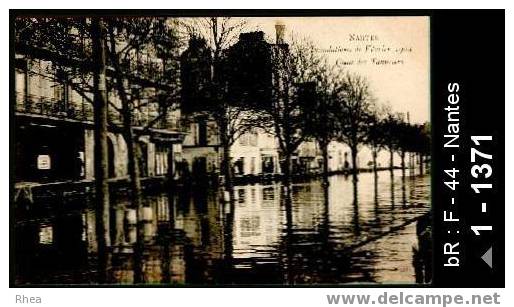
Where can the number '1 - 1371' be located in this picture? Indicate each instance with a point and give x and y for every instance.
(480, 171)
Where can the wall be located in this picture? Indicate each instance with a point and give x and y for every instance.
(120, 154)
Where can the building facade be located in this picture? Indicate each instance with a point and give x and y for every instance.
(248, 69)
(54, 130)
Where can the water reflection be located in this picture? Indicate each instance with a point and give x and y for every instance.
(308, 233)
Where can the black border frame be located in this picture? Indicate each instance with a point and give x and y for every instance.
(436, 16)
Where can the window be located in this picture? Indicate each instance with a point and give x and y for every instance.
(268, 166)
(252, 166)
(239, 166)
(202, 133)
(161, 159)
(253, 139)
(248, 139)
(59, 92)
(243, 140)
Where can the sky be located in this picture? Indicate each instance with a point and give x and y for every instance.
(392, 52)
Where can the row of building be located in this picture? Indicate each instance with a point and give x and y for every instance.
(54, 130)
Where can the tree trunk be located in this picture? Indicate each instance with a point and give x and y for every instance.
(391, 160)
(101, 151)
(135, 188)
(133, 156)
(225, 164)
(324, 151)
(391, 173)
(374, 155)
(133, 153)
(412, 163)
(420, 163)
(354, 164)
(227, 169)
(402, 155)
(409, 163)
(356, 218)
(287, 171)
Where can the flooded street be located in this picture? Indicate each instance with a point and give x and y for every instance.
(308, 235)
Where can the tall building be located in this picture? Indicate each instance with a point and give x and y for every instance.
(246, 69)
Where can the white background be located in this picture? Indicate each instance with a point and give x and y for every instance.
(228, 296)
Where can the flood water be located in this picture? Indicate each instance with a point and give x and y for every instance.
(268, 235)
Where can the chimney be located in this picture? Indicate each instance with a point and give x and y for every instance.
(280, 30)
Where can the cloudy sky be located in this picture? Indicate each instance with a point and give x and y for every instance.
(396, 61)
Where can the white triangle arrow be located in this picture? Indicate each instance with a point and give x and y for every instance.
(488, 257)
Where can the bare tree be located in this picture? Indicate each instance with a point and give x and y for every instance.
(399, 137)
(100, 103)
(232, 121)
(132, 48)
(412, 139)
(376, 138)
(389, 123)
(295, 69)
(320, 123)
(355, 100)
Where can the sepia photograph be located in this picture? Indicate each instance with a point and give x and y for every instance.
(220, 150)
